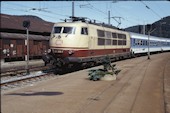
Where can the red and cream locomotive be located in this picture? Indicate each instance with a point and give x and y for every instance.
(82, 42)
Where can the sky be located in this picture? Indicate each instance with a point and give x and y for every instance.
(127, 13)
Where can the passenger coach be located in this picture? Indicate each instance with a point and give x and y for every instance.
(139, 43)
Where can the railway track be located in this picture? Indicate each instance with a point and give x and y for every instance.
(19, 70)
(18, 77)
(128, 94)
(19, 81)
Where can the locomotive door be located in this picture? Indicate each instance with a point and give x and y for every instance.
(91, 37)
(83, 41)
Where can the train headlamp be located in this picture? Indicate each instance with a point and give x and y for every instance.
(70, 52)
(49, 50)
(53, 35)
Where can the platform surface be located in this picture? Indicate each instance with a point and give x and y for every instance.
(142, 86)
(7, 66)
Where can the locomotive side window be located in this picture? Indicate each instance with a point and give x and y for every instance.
(101, 41)
(114, 35)
(122, 36)
(100, 33)
(117, 39)
(69, 30)
(57, 29)
(108, 42)
(120, 42)
(119, 36)
(124, 42)
(114, 42)
(122, 39)
(108, 34)
(84, 31)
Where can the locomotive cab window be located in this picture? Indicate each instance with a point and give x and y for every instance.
(57, 29)
(84, 31)
(69, 30)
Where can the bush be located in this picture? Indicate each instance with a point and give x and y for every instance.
(96, 74)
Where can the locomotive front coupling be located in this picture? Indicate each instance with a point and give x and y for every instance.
(51, 59)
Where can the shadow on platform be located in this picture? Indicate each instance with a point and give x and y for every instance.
(30, 93)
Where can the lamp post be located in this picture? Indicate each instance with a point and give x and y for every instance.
(148, 45)
(150, 28)
(26, 24)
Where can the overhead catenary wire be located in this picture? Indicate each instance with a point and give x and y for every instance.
(22, 10)
(34, 10)
(151, 9)
(48, 11)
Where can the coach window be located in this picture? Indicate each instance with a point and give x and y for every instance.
(146, 42)
(84, 31)
(141, 43)
(133, 42)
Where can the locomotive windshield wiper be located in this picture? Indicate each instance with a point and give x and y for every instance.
(70, 32)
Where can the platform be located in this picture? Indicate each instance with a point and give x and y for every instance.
(142, 86)
(6, 66)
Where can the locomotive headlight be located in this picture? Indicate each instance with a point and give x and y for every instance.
(49, 50)
(70, 52)
(53, 35)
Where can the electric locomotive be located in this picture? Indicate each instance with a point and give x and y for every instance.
(86, 43)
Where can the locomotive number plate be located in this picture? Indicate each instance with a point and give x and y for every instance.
(58, 51)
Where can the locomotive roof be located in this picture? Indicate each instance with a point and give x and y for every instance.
(92, 23)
